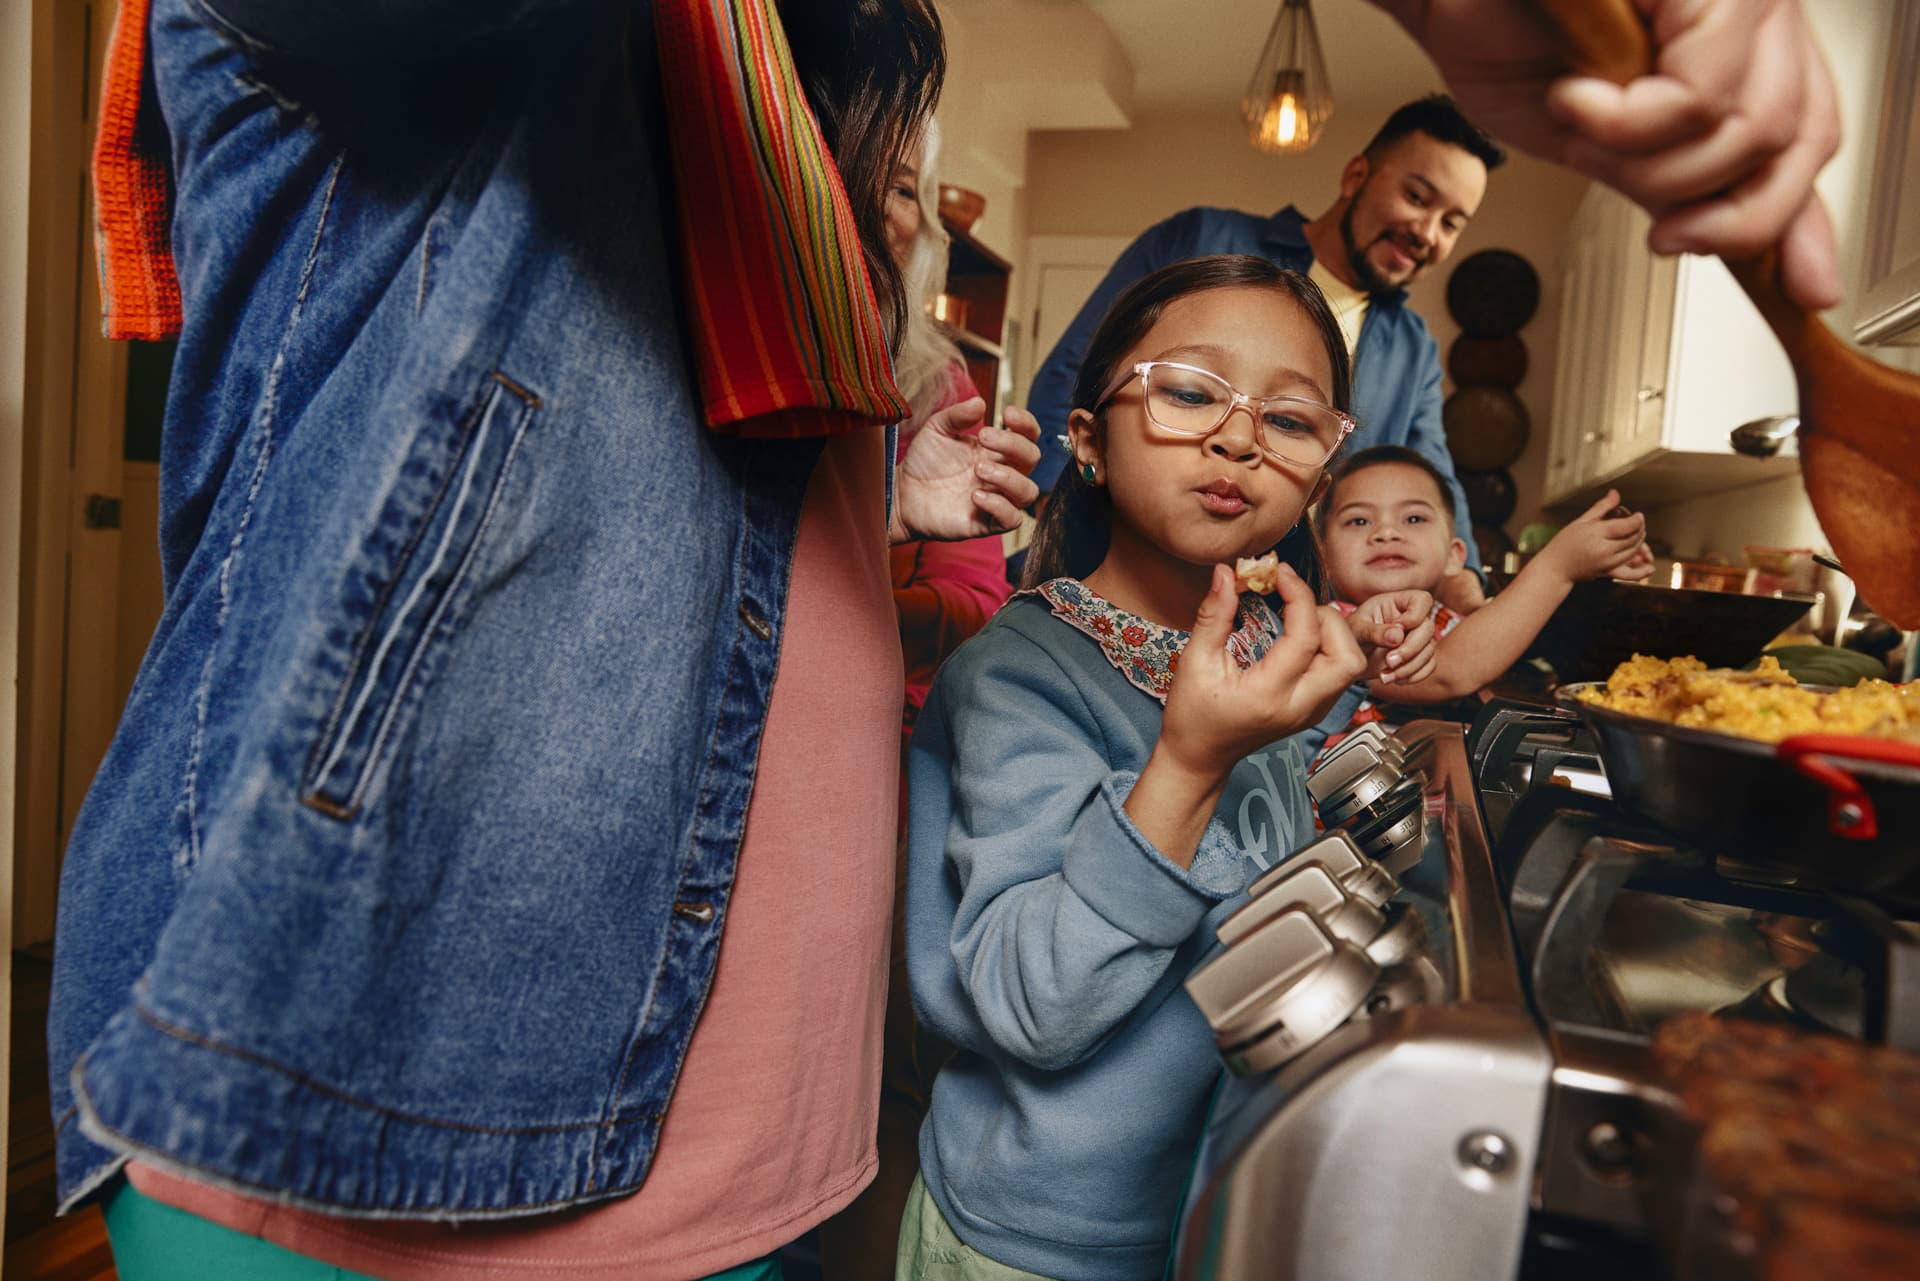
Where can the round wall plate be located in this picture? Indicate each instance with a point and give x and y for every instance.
(1491, 496)
(1487, 362)
(1487, 428)
(1493, 293)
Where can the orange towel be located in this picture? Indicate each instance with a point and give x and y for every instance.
(133, 193)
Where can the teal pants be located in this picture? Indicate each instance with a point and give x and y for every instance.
(153, 1241)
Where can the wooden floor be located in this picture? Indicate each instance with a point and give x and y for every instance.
(40, 1247)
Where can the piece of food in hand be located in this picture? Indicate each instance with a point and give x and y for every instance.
(1257, 574)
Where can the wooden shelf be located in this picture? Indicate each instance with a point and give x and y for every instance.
(972, 341)
(980, 278)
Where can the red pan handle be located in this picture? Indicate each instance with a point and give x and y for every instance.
(1850, 812)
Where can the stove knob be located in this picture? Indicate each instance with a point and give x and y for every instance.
(1261, 1027)
(1363, 878)
(1313, 887)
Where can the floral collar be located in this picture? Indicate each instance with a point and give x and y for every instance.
(1147, 653)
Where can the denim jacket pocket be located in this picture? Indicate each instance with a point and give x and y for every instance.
(458, 478)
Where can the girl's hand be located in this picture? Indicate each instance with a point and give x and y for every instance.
(962, 479)
(1395, 631)
(1217, 713)
(1597, 545)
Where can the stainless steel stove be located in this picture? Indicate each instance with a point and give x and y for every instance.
(1438, 1017)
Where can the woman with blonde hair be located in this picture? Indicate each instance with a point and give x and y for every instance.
(945, 592)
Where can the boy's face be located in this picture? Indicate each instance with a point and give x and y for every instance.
(1387, 531)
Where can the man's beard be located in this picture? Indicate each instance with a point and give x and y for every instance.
(1363, 271)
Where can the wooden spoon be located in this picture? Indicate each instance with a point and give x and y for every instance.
(1859, 420)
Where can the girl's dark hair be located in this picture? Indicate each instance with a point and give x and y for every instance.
(872, 70)
(1071, 538)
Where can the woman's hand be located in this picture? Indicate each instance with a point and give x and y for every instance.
(1720, 143)
(1217, 713)
(1599, 545)
(1396, 634)
(962, 479)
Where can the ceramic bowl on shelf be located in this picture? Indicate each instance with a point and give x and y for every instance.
(1702, 576)
(960, 206)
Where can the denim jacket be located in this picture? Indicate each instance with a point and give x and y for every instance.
(400, 889)
(1396, 364)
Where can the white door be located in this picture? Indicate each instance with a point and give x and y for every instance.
(1062, 273)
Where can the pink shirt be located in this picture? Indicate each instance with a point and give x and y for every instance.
(771, 1128)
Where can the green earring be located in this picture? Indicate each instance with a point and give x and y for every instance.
(1086, 472)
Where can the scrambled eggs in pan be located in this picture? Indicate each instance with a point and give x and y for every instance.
(1766, 703)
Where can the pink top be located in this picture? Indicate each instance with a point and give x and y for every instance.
(945, 591)
(771, 1128)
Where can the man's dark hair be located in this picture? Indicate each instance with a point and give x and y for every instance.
(1379, 456)
(1436, 116)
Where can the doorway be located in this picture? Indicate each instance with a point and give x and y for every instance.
(89, 590)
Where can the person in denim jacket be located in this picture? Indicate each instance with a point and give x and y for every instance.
(493, 685)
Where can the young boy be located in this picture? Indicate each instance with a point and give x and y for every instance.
(1386, 525)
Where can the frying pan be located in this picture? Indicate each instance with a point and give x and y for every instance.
(1824, 812)
(1859, 420)
(1602, 623)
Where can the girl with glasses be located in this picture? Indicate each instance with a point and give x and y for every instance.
(1103, 770)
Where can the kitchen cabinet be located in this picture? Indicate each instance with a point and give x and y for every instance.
(1659, 360)
(1889, 309)
(976, 306)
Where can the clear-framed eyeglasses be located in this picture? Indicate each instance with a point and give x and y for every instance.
(1189, 401)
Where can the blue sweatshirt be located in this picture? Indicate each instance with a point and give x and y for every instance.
(1047, 939)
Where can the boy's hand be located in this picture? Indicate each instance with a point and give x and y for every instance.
(1639, 566)
(1217, 713)
(1599, 545)
(1396, 634)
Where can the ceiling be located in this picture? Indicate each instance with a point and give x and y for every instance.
(1196, 55)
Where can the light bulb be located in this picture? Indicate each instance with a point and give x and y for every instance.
(1282, 123)
(1287, 104)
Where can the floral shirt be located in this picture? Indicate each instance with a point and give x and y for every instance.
(1145, 652)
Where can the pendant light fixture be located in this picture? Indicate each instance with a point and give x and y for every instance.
(1289, 100)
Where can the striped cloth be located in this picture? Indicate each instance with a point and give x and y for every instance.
(787, 333)
(785, 329)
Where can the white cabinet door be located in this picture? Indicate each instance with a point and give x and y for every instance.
(1728, 367)
(1582, 328)
(1660, 359)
